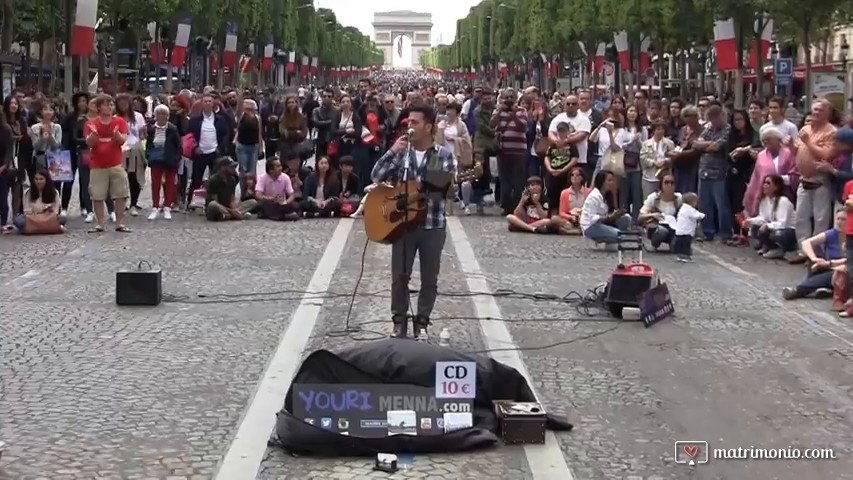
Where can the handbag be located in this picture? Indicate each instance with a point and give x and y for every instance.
(42, 225)
(333, 148)
(614, 162)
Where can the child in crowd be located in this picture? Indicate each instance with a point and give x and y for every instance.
(531, 214)
(687, 218)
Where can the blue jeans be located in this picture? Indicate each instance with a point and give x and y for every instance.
(603, 233)
(631, 192)
(535, 166)
(247, 158)
(21, 221)
(784, 238)
(4, 200)
(714, 203)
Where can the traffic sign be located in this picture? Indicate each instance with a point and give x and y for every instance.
(783, 69)
(455, 379)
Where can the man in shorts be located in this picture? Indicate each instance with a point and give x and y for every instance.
(105, 136)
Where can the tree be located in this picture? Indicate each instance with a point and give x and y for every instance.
(809, 18)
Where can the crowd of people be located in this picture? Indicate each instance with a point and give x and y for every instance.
(567, 164)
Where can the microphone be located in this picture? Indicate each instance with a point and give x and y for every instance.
(410, 132)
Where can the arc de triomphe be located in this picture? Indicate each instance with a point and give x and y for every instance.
(387, 26)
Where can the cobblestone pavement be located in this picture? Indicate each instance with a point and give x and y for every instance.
(90, 390)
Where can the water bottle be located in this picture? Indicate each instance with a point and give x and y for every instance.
(444, 338)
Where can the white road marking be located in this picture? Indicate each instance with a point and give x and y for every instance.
(728, 266)
(546, 461)
(247, 450)
(25, 281)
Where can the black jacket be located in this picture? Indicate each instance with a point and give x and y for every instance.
(332, 189)
(223, 139)
(172, 149)
(326, 121)
(341, 134)
(353, 188)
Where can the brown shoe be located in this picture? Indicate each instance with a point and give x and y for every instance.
(419, 327)
(401, 325)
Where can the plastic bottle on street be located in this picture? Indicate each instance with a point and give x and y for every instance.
(444, 338)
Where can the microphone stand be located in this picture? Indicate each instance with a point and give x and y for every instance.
(404, 272)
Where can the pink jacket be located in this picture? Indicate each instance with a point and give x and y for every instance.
(763, 167)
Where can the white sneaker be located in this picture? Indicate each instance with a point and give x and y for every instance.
(153, 214)
(84, 213)
(63, 213)
(90, 217)
(134, 212)
(113, 217)
(468, 210)
(167, 213)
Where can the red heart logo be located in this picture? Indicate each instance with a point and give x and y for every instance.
(691, 450)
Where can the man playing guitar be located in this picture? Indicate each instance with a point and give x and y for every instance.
(433, 168)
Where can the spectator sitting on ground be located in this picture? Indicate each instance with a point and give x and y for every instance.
(41, 202)
(571, 202)
(297, 173)
(275, 195)
(350, 186)
(658, 214)
(601, 221)
(221, 202)
(321, 192)
(773, 228)
(531, 214)
(825, 253)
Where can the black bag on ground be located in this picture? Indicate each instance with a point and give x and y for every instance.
(402, 362)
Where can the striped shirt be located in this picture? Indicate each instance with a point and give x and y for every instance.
(512, 128)
(390, 167)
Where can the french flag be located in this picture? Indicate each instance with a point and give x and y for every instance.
(268, 50)
(644, 54)
(503, 70)
(291, 62)
(766, 36)
(599, 56)
(229, 54)
(314, 66)
(725, 44)
(157, 53)
(85, 23)
(304, 68)
(620, 39)
(182, 41)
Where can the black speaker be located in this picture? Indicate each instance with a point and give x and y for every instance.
(139, 287)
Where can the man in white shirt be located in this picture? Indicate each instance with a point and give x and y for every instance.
(579, 137)
(210, 132)
(774, 111)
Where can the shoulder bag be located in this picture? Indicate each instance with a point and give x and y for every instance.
(614, 161)
(44, 224)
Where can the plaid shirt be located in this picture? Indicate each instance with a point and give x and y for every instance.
(391, 166)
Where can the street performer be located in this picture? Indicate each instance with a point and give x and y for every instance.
(433, 168)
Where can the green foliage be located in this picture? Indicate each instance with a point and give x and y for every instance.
(294, 24)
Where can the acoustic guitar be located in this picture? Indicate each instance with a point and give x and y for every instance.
(388, 212)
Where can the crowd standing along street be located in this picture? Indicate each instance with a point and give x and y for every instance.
(271, 202)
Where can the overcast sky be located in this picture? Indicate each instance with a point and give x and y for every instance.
(360, 14)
